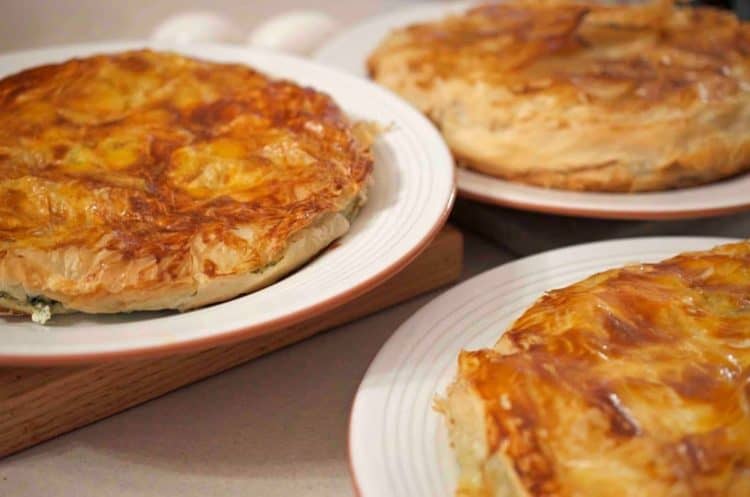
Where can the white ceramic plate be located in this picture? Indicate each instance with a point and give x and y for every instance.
(350, 48)
(409, 201)
(398, 445)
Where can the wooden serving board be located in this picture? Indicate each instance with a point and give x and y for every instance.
(37, 404)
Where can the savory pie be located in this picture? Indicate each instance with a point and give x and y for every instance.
(145, 180)
(582, 95)
(632, 383)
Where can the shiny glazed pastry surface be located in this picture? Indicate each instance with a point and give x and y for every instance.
(580, 95)
(632, 383)
(147, 180)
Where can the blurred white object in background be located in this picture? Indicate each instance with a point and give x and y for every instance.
(197, 26)
(299, 31)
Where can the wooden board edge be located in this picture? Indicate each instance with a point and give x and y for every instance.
(37, 404)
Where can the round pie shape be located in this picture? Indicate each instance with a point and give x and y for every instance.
(582, 97)
(143, 180)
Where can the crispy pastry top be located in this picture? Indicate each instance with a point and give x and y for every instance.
(145, 154)
(635, 381)
(611, 56)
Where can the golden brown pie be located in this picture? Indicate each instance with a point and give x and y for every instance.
(582, 95)
(632, 383)
(146, 180)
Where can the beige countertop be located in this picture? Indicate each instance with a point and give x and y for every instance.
(274, 427)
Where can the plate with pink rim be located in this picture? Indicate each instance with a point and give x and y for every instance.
(409, 200)
(398, 444)
(349, 49)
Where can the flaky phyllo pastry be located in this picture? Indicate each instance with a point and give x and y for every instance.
(582, 95)
(146, 180)
(634, 382)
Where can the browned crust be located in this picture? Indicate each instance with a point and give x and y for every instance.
(577, 96)
(138, 180)
(632, 378)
